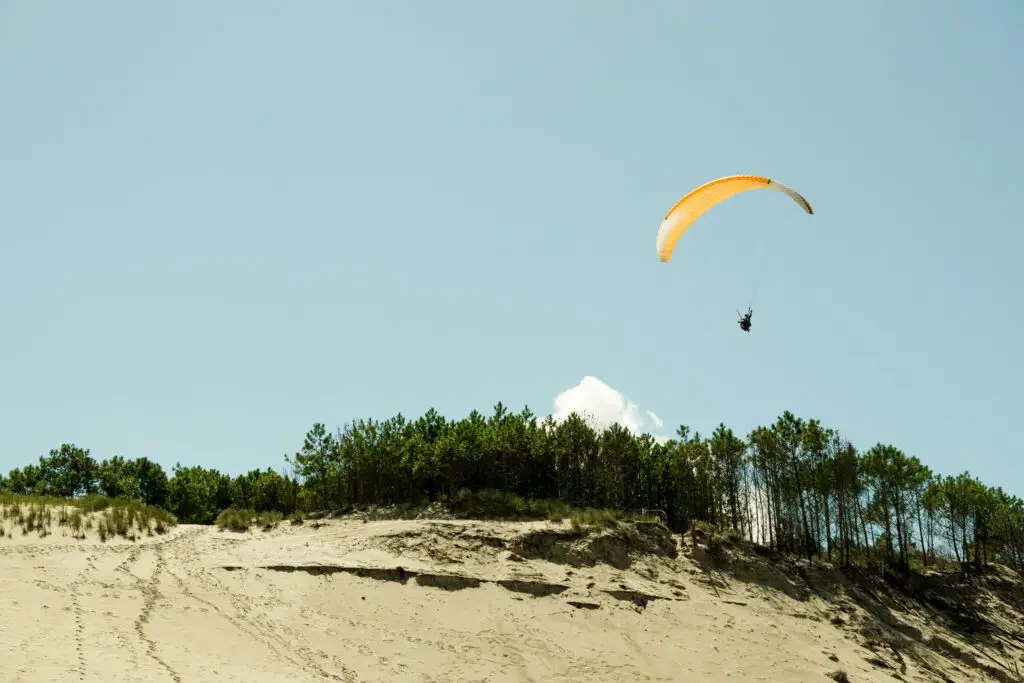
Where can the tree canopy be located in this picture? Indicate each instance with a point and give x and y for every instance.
(795, 485)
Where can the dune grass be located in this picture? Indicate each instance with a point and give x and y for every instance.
(236, 519)
(108, 517)
(490, 504)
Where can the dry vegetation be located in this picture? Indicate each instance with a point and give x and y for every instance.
(76, 518)
(492, 505)
(484, 505)
(235, 519)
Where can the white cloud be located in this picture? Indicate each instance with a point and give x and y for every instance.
(603, 406)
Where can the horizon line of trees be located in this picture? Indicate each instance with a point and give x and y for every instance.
(795, 485)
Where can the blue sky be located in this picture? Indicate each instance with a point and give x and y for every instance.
(224, 221)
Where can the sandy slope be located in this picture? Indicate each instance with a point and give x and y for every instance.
(473, 601)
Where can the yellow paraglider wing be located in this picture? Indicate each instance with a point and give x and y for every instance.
(692, 206)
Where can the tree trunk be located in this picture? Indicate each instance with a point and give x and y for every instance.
(828, 528)
(900, 528)
(920, 529)
(863, 526)
(803, 507)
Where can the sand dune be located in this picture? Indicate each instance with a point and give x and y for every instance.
(352, 600)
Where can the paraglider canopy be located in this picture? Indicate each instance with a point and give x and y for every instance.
(692, 206)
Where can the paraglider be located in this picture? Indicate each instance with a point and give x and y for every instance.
(744, 321)
(693, 205)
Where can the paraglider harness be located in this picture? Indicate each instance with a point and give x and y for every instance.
(745, 320)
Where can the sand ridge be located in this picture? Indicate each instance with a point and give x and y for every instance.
(453, 600)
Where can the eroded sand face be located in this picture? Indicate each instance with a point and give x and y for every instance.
(421, 601)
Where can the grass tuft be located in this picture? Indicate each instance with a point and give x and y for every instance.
(110, 517)
(241, 519)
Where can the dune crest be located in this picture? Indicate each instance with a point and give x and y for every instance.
(459, 600)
